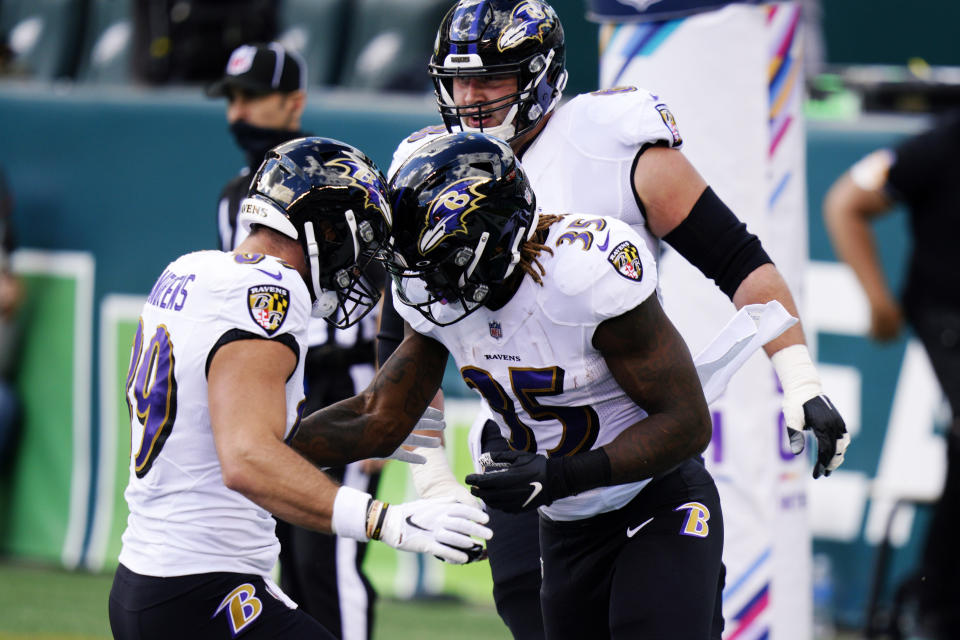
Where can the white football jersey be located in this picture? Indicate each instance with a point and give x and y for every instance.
(582, 160)
(533, 360)
(183, 519)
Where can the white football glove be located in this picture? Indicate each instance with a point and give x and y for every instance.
(439, 526)
(805, 407)
(432, 420)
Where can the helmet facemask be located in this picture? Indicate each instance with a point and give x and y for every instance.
(444, 291)
(332, 199)
(464, 209)
(523, 40)
(340, 285)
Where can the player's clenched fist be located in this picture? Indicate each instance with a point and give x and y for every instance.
(515, 481)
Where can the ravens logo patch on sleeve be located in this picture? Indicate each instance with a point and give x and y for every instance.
(625, 258)
(671, 124)
(268, 306)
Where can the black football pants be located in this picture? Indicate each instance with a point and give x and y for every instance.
(650, 570)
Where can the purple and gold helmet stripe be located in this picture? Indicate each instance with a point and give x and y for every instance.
(466, 26)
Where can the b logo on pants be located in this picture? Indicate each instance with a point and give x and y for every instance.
(244, 607)
(697, 517)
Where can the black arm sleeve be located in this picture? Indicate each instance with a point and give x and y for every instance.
(714, 240)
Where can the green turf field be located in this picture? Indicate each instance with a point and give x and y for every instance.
(38, 603)
(46, 604)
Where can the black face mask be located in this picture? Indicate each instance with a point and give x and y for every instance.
(256, 141)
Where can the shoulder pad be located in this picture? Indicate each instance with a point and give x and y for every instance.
(267, 296)
(602, 269)
(627, 115)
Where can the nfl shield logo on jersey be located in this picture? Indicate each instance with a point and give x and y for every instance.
(625, 258)
(268, 306)
(496, 331)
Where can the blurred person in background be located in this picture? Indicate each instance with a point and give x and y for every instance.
(498, 67)
(6, 56)
(733, 74)
(11, 294)
(216, 397)
(187, 41)
(923, 174)
(265, 88)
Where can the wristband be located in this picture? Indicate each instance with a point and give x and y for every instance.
(584, 471)
(797, 373)
(376, 514)
(350, 513)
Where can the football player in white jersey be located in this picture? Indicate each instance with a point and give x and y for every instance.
(555, 321)
(498, 67)
(215, 389)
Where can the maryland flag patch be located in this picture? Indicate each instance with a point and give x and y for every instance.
(625, 258)
(268, 306)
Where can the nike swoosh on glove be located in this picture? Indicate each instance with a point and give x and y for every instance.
(515, 481)
(439, 526)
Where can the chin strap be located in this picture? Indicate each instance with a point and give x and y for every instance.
(326, 301)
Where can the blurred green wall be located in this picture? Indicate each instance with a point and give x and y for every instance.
(891, 31)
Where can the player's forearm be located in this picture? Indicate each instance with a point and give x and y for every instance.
(652, 365)
(854, 243)
(658, 443)
(653, 445)
(281, 481)
(346, 432)
(763, 285)
(372, 424)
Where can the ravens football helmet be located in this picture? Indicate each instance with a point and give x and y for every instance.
(522, 38)
(331, 198)
(462, 209)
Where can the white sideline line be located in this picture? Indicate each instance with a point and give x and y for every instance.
(114, 308)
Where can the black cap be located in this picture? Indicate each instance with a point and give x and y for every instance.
(260, 69)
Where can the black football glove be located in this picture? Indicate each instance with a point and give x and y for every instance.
(822, 418)
(515, 481)
(806, 408)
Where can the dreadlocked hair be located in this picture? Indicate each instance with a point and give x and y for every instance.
(530, 250)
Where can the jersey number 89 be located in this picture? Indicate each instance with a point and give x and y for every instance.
(151, 395)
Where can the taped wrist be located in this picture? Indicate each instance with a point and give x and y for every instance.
(580, 472)
(434, 478)
(797, 373)
(350, 512)
(714, 240)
